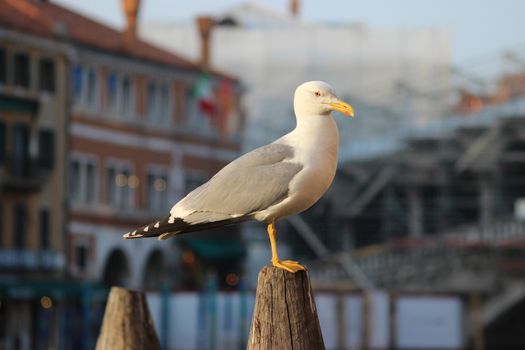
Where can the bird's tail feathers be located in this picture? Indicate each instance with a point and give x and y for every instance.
(156, 228)
(169, 227)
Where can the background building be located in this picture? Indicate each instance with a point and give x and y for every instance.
(33, 120)
(139, 142)
(420, 238)
(378, 70)
(100, 132)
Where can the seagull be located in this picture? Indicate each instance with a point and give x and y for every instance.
(280, 179)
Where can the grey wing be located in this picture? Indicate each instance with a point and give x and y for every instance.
(251, 183)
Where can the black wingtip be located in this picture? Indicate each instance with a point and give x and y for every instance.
(151, 230)
(169, 227)
(132, 235)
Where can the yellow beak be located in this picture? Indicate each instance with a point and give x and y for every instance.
(342, 107)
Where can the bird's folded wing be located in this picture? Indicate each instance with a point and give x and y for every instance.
(253, 182)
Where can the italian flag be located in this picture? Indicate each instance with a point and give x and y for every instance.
(203, 92)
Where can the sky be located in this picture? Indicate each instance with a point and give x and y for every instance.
(479, 27)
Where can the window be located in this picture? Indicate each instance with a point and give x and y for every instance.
(126, 97)
(122, 183)
(192, 110)
(163, 103)
(20, 164)
(19, 225)
(152, 101)
(112, 89)
(47, 75)
(74, 181)
(3, 66)
(83, 179)
(150, 188)
(193, 180)
(81, 255)
(90, 183)
(120, 186)
(157, 191)
(92, 98)
(44, 228)
(1, 225)
(111, 188)
(22, 73)
(76, 76)
(158, 108)
(46, 146)
(3, 141)
(195, 120)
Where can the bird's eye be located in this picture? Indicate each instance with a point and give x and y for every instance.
(317, 93)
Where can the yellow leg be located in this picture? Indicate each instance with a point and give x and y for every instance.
(288, 265)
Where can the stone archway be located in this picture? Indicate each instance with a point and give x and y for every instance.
(116, 269)
(154, 271)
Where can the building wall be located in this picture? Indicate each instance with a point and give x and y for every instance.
(44, 188)
(159, 132)
(118, 121)
(368, 66)
(29, 183)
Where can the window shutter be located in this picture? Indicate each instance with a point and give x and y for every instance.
(46, 148)
(3, 66)
(44, 228)
(76, 76)
(20, 225)
(3, 138)
(20, 162)
(1, 225)
(47, 75)
(22, 74)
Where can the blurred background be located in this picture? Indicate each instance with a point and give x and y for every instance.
(111, 111)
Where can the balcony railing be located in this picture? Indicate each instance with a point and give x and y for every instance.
(22, 174)
(464, 249)
(36, 260)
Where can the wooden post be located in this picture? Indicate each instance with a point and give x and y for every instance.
(366, 320)
(127, 322)
(342, 327)
(477, 324)
(285, 316)
(393, 319)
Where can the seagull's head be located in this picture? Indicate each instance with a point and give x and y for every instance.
(318, 98)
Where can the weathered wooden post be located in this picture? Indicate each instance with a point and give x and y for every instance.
(478, 341)
(127, 322)
(285, 316)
